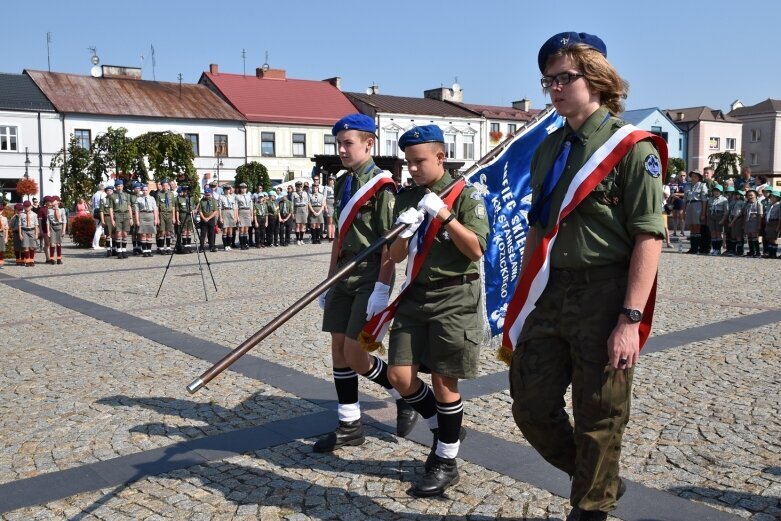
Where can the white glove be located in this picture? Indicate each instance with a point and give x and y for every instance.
(322, 297)
(413, 217)
(378, 300)
(432, 204)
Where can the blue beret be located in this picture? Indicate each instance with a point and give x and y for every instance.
(418, 135)
(119, 182)
(110, 187)
(207, 190)
(360, 122)
(568, 39)
(137, 184)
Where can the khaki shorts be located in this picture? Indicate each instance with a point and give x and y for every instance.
(123, 222)
(316, 219)
(441, 329)
(166, 223)
(345, 306)
(245, 217)
(301, 214)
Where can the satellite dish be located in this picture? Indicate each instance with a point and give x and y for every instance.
(369, 91)
(96, 72)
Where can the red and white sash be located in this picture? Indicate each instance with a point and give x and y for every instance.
(359, 198)
(375, 329)
(535, 276)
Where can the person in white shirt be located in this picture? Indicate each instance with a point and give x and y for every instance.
(97, 197)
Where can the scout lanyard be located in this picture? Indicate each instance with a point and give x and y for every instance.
(535, 276)
(350, 210)
(417, 250)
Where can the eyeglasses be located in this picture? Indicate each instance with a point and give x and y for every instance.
(565, 78)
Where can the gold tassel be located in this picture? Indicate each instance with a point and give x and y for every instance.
(369, 345)
(505, 354)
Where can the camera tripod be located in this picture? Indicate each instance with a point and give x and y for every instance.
(179, 247)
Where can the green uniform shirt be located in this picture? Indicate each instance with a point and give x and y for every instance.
(272, 209)
(374, 219)
(285, 207)
(182, 206)
(165, 201)
(119, 202)
(445, 259)
(261, 209)
(601, 230)
(208, 206)
(104, 206)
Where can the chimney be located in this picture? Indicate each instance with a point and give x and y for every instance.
(119, 72)
(681, 115)
(213, 68)
(270, 74)
(336, 81)
(524, 104)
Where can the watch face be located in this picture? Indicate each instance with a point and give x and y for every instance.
(635, 315)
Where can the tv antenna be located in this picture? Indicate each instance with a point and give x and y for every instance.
(265, 65)
(244, 61)
(180, 84)
(49, 50)
(154, 62)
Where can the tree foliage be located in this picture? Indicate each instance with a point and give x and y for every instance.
(675, 165)
(169, 156)
(26, 187)
(255, 175)
(725, 164)
(113, 152)
(78, 180)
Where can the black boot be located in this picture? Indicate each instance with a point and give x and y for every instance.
(348, 433)
(576, 514)
(757, 251)
(442, 474)
(694, 247)
(406, 417)
(433, 451)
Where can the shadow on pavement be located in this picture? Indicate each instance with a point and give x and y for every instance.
(751, 503)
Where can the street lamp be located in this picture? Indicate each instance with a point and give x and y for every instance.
(26, 164)
(219, 164)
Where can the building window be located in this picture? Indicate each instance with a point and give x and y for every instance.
(221, 145)
(469, 147)
(193, 139)
(8, 137)
(756, 135)
(714, 143)
(450, 146)
(84, 138)
(494, 127)
(329, 145)
(299, 145)
(392, 143)
(511, 128)
(754, 159)
(730, 143)
(267, 144)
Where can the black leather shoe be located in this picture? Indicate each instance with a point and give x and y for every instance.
(442, 474)
(432, 452)
(406, 417)
(348, 433)
(577, 514)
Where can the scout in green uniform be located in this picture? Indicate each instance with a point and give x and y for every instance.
(584, 329)
(166, 203)
(120, 211)
(365, 291)
(185, 205)
(16, 236)
(316, 209)
(134, 235)
(105, 220)
(286, 217)
(209, 211)
(736, 223)
(261, 220)
(272, 210)
(438, 322)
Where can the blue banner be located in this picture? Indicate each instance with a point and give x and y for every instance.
(505, 183)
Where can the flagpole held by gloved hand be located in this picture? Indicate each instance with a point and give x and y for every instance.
(345, 270)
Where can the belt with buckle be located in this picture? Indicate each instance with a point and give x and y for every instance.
(458, 280)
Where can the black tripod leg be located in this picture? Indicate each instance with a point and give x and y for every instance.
(208, 265)
(170, 258)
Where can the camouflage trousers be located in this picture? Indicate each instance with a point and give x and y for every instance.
(563, 342)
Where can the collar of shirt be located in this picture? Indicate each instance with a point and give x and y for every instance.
(593, 123)
(366, 169)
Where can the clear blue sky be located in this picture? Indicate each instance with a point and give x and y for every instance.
(673, 53)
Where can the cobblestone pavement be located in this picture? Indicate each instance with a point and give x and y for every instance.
(705, 424)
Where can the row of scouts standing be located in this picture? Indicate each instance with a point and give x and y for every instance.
(722, 221)
(32, 227)
(435, 323)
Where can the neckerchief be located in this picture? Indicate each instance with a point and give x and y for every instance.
(417, 251)
(348, 211)
(534, 278)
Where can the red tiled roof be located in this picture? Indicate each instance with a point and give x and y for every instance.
(497, 112)
(267, 100)
(74, 93)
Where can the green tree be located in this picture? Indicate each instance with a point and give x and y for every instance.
(255, 175)
(169, 156)
(675, 165)
(113, 152)
(725, 164)
(78, 180)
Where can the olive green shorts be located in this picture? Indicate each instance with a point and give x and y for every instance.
(345, 305)
(108, 229)
(123, 222)
(441, 329)
(166, 223)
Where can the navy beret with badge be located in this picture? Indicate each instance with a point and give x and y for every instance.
(119, 182)
(568, 39)
(418, 135)
(360, 122)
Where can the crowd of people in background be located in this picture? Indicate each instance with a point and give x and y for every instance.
(723, 219)
(34, 228)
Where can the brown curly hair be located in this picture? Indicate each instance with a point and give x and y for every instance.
(601, 76)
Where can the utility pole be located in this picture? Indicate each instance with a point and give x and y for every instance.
(244, 60)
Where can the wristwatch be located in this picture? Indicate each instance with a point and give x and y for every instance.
(634, 315)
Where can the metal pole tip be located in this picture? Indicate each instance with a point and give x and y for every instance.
(195, 386)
